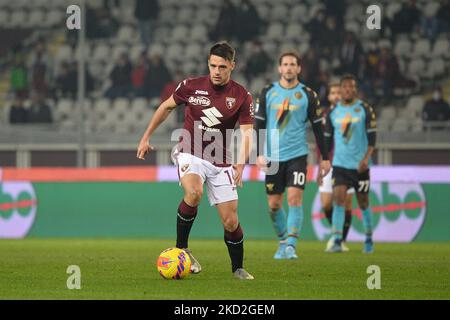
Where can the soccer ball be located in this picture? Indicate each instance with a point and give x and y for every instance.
(173, 263)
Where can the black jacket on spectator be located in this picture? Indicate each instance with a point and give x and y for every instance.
(405, 19)
(227, 23)
(436, 110)
(121, 75)
(146, 9)
(157, 76)
(40, 113)
(250, 24)
(18, 114)
(443, 14)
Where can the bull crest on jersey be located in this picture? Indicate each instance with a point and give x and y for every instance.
(230, 102)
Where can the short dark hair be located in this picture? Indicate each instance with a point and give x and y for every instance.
(223, 49)
(348, 76)
(289, 54)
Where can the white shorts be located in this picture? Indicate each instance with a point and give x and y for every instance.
(327, 187)
(220, 185)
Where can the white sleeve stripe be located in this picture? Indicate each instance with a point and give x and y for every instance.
(260, 118)
(326, 134)
(318, 120)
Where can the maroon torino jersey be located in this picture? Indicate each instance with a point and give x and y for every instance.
(211, 115)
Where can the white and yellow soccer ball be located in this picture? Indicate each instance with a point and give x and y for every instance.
(174, 263)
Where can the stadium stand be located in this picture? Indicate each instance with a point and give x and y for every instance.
(181, 36)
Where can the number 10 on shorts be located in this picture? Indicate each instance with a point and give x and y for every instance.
(299, 178)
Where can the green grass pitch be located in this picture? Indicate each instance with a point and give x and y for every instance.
(126, 269)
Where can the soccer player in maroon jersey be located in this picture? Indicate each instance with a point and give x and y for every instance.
(213, 106)
(325, 183)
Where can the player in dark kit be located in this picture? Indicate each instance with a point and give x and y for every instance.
(214, 104)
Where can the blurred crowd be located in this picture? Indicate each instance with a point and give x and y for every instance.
(377, 69)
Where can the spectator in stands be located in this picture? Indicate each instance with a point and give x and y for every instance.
(18, 113)
(40, 68)
(111, 4)
(121, 78)
(436, 110)
(67, 81)
(225, 28)
(406, 19)
(257, 62)
(100, 23)
(443, 16)
(250, 24)
(39, 111)
(367, 73)
(387, 72)
(317, 28)
(138, 75)
(330, 39)
(350, 52)
(146, 13)
(310, 68)
(19, 77)
(157, 77)
(336, 9)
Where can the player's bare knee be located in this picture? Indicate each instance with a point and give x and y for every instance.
(274, 206)
(194, 196)
(294, 201)
(230, 224)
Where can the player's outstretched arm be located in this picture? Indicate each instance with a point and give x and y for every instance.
(246, 147)
(160, 115)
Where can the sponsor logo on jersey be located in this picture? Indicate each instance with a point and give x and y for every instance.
(201, 92)
(298, 95)
(230, 102)
(358, 110)
(202, 127)
(211, 116)
(199, 101)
